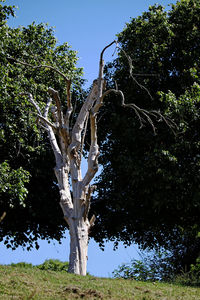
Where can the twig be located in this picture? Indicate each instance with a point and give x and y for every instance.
(38, 67)
(3, 216)
(131, 73)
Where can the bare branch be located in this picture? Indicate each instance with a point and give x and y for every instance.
(131, 72)
(101, 67)
(87, 202)
(55, 147)
(32, 101)
(3, 216)
(80, 121)
(102, 52)
(98, 104)
(39, 114)
(47, 122)
(92, 220)
(58, 105)
(69, 104)
(145, 115)
(67, 118)
(68, 81)
(43, 127)
(39, 67)
(83, 137)
(54, 114)
(49, 127)
(93, 153)
(46, 110)
(142, 114)
(69, 108)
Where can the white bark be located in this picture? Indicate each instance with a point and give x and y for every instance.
(78, 246)
(67, 148)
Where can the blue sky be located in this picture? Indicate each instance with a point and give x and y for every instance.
(87, 25)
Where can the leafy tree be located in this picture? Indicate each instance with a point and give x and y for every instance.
(149, 185)
(5, 12)
(26, 159)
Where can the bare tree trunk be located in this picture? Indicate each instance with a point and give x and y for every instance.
(78, 246)
(67, 146)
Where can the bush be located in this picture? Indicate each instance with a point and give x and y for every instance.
(54, 265)
(151, 267)
(22, 265)
(191, 278)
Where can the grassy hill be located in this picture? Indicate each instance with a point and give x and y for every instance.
(27, 282)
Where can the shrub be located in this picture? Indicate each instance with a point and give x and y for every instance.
(191, 278)
(54, 265)
(22, 265)
(152, 267)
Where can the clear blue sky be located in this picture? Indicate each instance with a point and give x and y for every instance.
(87, 25)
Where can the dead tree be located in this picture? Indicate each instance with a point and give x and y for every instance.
(67, 146)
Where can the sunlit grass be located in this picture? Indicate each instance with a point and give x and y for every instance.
(21, 282)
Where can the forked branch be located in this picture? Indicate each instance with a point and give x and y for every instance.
(50, 127)
(80, 121)
(93, 153)
(67, 80)
(47, 122)
(143, 115)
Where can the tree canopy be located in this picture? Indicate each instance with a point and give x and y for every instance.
(26, 159)
(149, 186)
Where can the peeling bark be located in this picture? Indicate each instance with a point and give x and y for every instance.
(67, 146)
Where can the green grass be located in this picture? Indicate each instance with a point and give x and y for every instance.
(27, 282)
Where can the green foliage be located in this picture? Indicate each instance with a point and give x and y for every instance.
(54, 265)
(12, 185)
(31, 207)
(22, 265)
(49, 265)
(135, 270)
(149, 186)
(155, 266)
(5, 12)
(190, 278)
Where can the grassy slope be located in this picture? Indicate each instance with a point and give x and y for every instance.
(32, 283)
